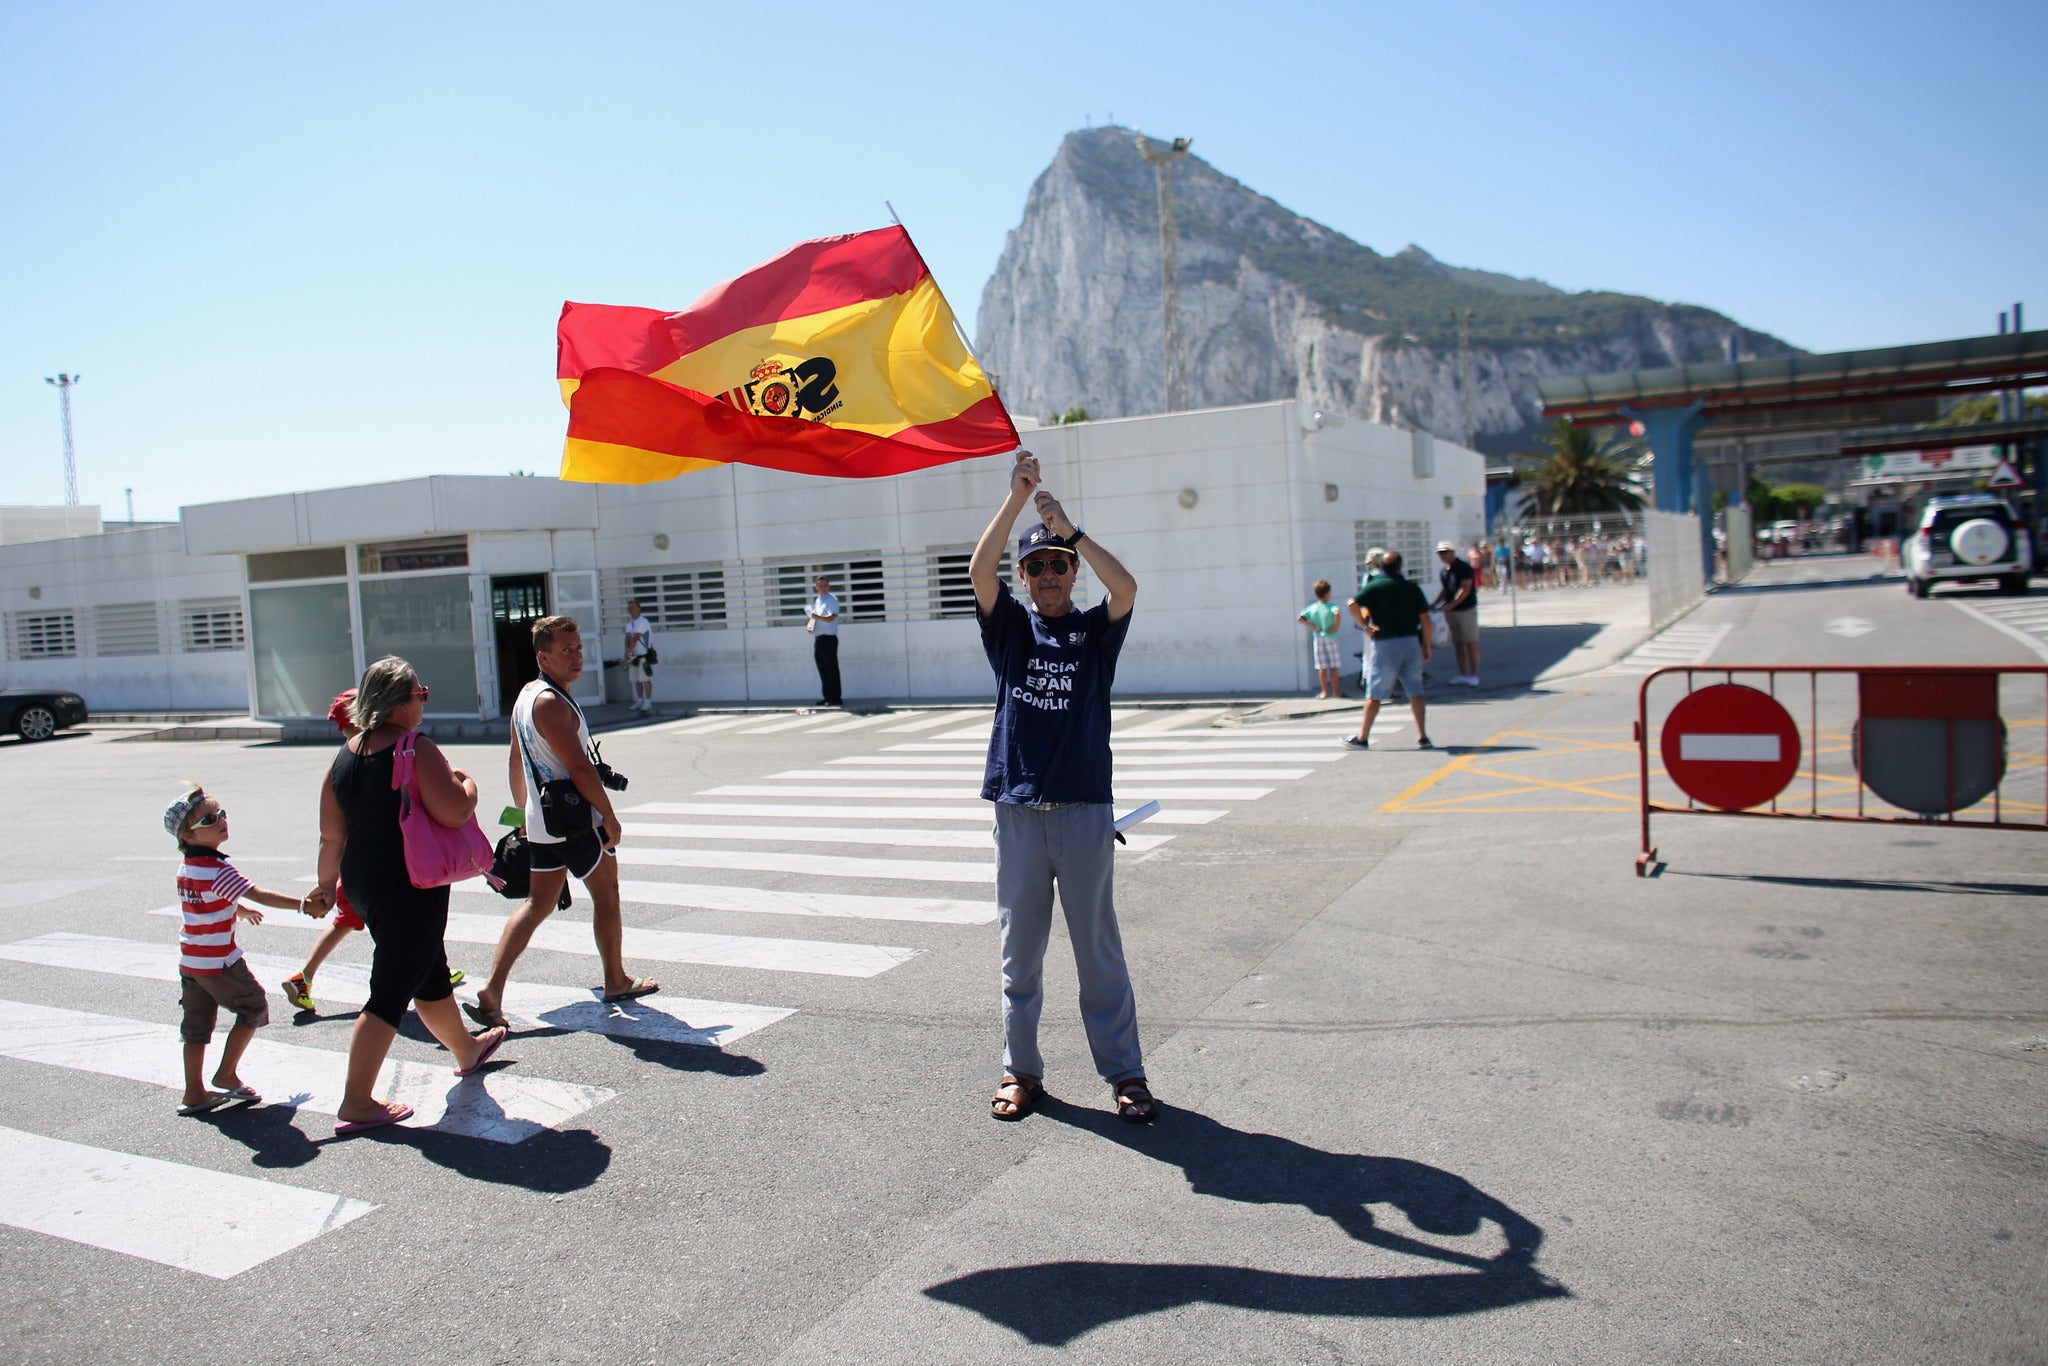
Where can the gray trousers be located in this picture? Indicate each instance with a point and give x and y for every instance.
(1071, 845)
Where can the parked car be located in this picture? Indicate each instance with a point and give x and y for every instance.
(1966, 538)
(37, 715)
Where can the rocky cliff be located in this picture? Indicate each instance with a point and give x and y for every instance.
(1277, 306)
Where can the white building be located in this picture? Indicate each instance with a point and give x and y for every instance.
(1226, 516)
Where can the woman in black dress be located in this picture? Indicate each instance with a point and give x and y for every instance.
(362, 845)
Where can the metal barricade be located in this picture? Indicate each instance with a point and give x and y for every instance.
(1925, 743)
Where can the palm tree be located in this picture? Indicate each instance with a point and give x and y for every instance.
(1578, 470)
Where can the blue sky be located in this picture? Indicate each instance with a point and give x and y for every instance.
(289, 247)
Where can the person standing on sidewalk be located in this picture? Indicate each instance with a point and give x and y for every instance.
(1458, 599)
(821, 619)
(1320, 617)
(639, 657)
(1048, 774)
(1395, 615)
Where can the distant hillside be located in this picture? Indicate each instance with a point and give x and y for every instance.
(1278, 306)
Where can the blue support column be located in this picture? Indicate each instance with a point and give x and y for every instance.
(1669, 432)
(1703, 504)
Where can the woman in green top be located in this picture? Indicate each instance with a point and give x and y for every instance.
(1320, 617)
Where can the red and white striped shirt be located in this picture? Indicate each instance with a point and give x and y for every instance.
(208, 888)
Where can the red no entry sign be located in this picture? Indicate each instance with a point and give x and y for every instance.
(1730, 747)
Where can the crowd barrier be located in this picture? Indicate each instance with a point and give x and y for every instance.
(1927, 742)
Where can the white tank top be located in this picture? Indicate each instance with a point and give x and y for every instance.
(543, 765)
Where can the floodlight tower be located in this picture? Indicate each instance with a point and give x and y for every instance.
(1169, 265)
(63, 384)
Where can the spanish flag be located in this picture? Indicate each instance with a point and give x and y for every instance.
(838, 357)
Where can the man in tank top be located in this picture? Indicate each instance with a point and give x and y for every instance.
(551, 743)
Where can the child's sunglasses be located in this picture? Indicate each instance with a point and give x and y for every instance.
(213, 817)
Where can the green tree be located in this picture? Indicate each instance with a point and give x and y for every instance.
(1583, 469)
(1068, 418)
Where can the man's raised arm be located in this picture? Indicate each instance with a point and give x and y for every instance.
(984, 566)
(1119, 588)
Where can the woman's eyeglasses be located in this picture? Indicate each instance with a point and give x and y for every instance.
(213, 817)
(1058, 564)
(423, 692)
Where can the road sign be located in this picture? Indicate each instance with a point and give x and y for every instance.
(1930, 743)
(2004, 477)
(1730, 747)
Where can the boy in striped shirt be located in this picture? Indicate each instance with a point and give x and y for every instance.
(211, 973)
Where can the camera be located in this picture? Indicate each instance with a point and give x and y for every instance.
(613, 780)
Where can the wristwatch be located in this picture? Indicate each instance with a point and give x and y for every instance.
(1075, 539)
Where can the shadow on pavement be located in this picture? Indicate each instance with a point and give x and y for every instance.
(1057, 1302)
(552, 1162)
(270, 1133)
(1865, 884)
(1737, 590)
(1516, 655)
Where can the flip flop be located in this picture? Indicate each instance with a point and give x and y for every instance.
(491, 1039)
(393, 1114)
(642, 986)
(489, 1019)
(245, 1094)
(213, 1101)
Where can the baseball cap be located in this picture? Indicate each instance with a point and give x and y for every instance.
(1446, 545)
(177, 811)
(1040, 537)
(338, 711)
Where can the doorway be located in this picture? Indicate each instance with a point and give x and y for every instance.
(517, 601)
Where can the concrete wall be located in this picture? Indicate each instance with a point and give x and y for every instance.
(83, 573)
(1677, 578)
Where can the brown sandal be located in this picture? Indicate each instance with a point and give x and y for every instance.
(1134, 1102)
(1020, 1094)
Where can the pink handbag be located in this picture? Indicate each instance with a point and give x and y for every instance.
(435, 854)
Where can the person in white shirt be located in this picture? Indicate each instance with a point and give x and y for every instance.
(821, 619)
(639, 668)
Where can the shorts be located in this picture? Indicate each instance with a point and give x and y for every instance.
(203, 994)
(1397, 658)
(578, 853)
(345, 914)
(639, 670)
(1326, 653)
(1464, 626)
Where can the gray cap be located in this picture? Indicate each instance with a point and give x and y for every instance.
(177, 811)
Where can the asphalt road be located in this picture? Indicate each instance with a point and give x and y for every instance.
(1445, 1080)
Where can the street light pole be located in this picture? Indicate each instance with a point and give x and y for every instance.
(1169, 265)
(63, 385)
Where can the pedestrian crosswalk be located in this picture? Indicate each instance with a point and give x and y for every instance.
(1674, 646)
(894, 836)
(2025, 619)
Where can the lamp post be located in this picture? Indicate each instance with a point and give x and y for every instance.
(63, 385)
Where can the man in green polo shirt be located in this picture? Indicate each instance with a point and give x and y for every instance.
(1394, 614)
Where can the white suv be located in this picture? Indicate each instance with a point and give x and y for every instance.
(1970, 537)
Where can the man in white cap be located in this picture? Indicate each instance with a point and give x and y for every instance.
(1458, 599)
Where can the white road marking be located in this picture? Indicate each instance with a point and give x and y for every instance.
(1996, 620)
(1125, 792)
(1321, 753)
(560, 935)
(1282, 746)
(1849, 627)
(975, 810)
(188, 1217)
(763, 901)
(1174, 720)
(899, 837)
(799, 723)
(813, 865)
(672, 1018)
(1672, 647)
(703, 724)
(975, 732)
(931, 722)
(502, 1106)
(862, 722)
(925, 775)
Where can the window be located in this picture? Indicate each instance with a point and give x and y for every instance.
(1411, 539)
(327, 562)
(426, 620)
(858, 584)
(303, 646)
(125, 628)
(673, 599)
(209, 624)
(955, 589)
(41, 635)
(403, 557)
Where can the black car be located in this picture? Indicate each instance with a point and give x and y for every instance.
(37, 715)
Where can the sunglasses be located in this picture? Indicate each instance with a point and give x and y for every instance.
(1058, 564)
(214, 817)
(423, 692)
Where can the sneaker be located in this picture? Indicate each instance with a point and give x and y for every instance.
(298, 991)
(455, 976)
(1425, 743)
(1353, 742)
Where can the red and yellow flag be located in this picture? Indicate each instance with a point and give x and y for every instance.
(838, 357)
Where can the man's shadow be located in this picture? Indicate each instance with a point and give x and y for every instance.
(1058, 1302)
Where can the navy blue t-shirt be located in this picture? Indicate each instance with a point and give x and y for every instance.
(1051, 737)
